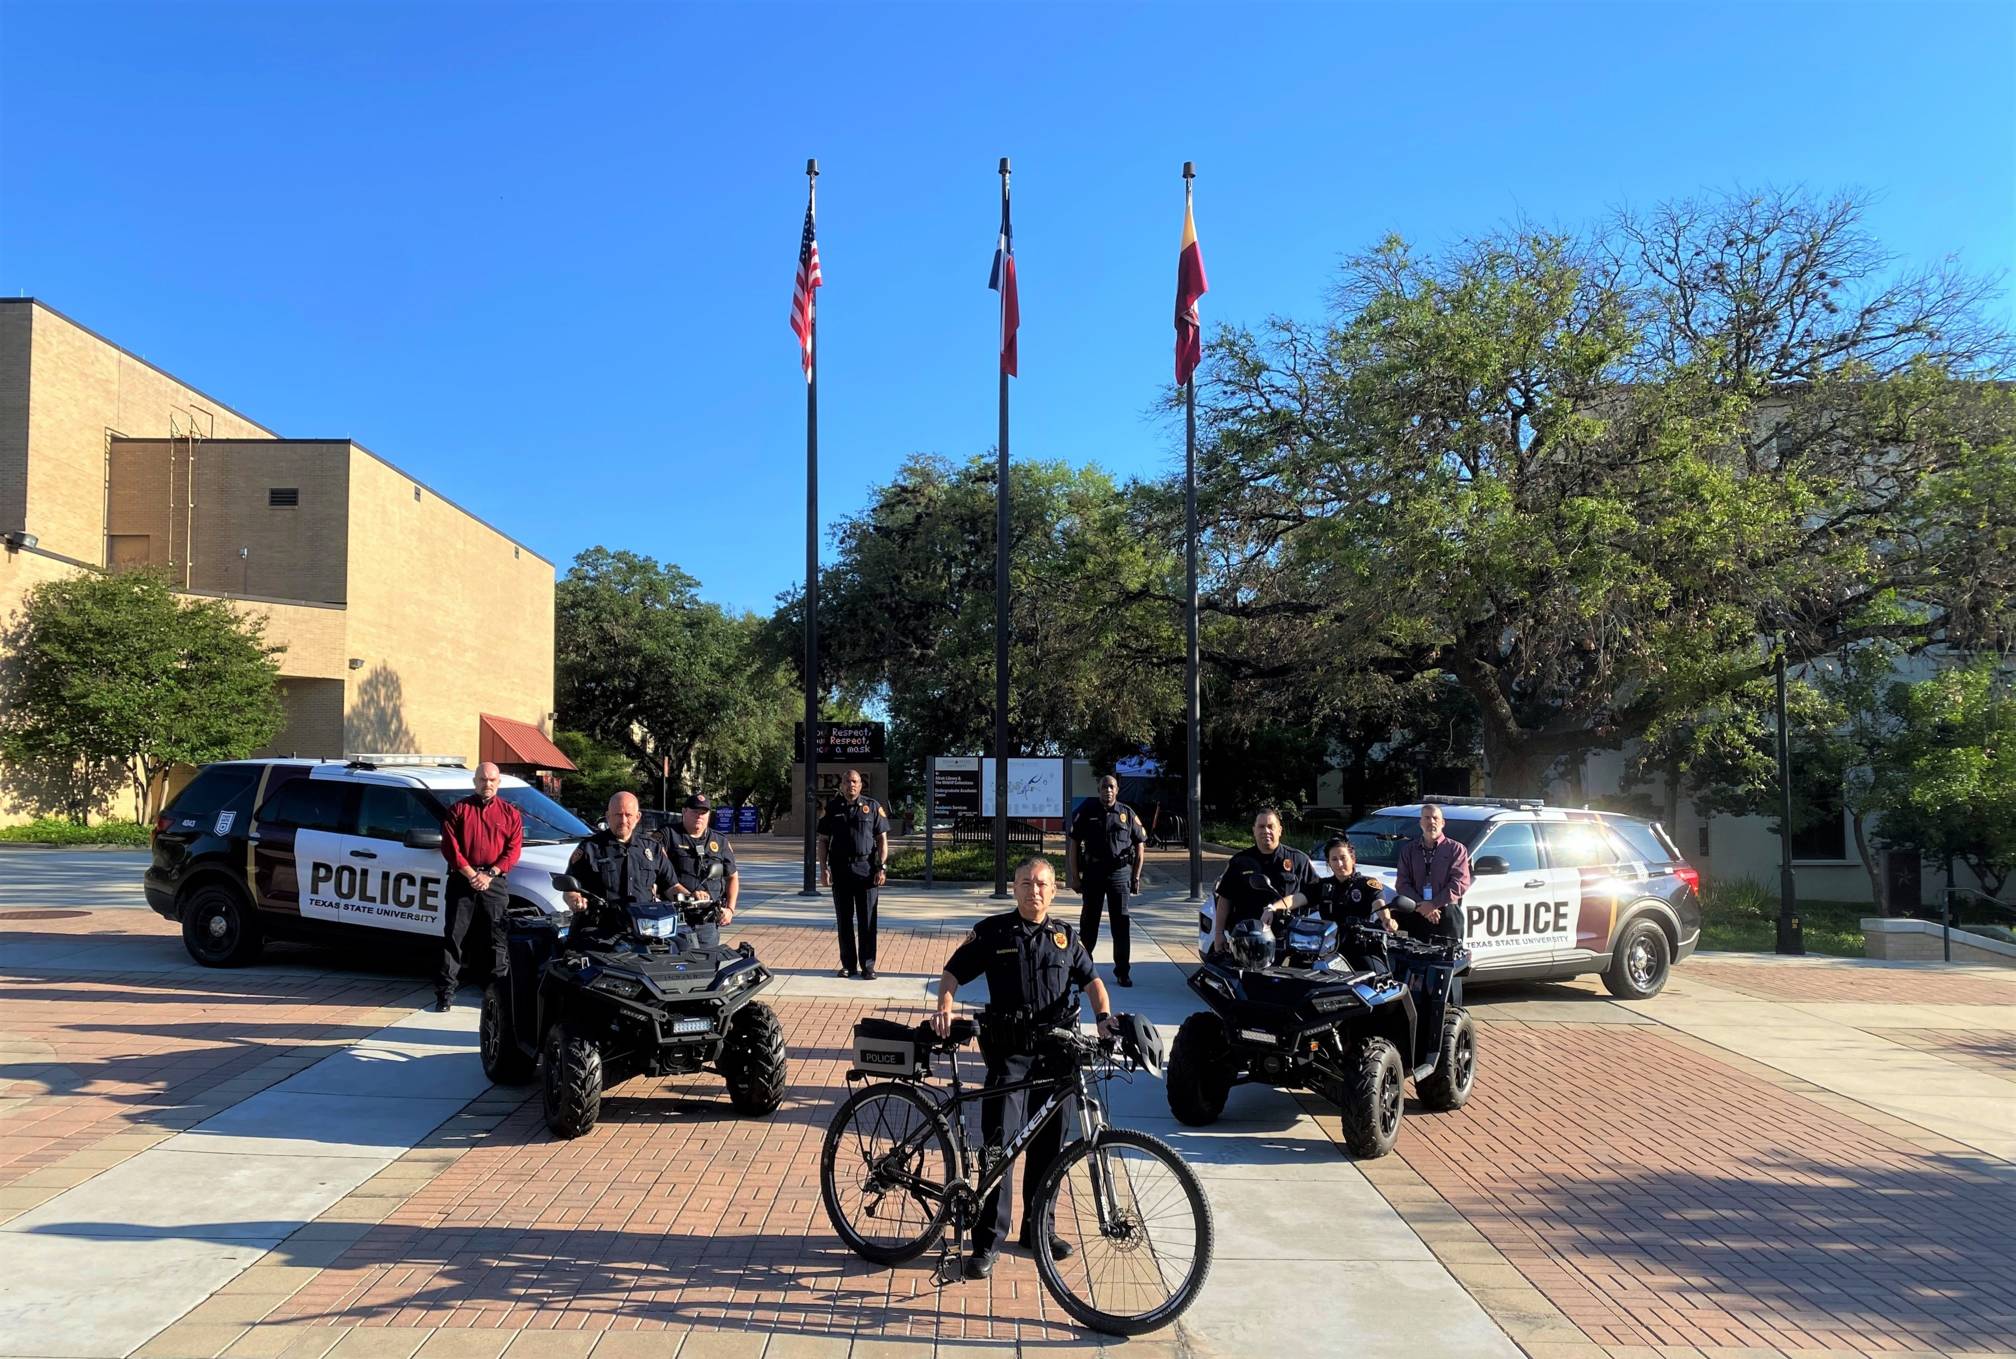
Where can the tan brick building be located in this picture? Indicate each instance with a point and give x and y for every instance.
(374, 582)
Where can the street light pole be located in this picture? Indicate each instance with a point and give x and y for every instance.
(1790, 938)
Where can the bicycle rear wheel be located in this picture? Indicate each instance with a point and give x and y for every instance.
(883, 1173)
(1139, 1228)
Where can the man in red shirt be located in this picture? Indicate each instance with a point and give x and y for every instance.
(1435, 871)
(481, 840)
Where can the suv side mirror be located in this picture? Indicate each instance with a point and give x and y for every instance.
(1490, 866)
(423, 837)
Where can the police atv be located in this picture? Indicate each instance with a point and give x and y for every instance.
(629, 994)
(1304, 1014)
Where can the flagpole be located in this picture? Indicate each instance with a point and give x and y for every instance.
(810, 887)
(1193, 701)
(1001, 613)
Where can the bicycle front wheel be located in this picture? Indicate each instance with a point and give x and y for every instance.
(883, 1173)
(1139, 1228)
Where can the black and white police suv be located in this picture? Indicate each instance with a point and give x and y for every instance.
(331, 850)
(1555, 891)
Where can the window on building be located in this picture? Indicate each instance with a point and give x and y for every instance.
(1822, 832)
(283, 497)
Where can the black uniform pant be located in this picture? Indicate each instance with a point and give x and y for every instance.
(1106, 890)
(855, 896)
(465, 904)
(1001, 1117)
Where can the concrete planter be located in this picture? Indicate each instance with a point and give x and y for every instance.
(1918, 941)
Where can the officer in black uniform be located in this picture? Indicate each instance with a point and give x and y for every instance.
(1287, 871)
(1348, 894)
(696, 850)
(619, 865)
(1034, 966)
(853, 847)
(1103, 853)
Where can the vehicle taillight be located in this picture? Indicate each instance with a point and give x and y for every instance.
(160, 824)
(1688, 874)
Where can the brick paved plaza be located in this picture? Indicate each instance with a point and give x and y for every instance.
(1701, 1175)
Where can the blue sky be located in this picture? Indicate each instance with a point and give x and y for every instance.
(541, 256)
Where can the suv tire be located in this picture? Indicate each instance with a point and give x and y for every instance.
(573, 1089)
(504, 1062)
(1455, 1066)
(1375, 1094)
(1199, 1075)
(218, 928)
(1641, 963)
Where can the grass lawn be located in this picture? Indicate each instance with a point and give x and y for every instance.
(55, 831)
(1742, 916)
(968, 863)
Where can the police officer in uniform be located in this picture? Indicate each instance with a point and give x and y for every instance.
(1348, 894)
(696, 850)
(619, 865)
(1287, 871)
(1103, 853)
(853, 847)
(1034, 966)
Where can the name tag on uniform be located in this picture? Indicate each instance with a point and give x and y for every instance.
(1427, 891)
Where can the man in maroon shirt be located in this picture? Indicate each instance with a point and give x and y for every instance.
(481, 840)
(1435, 871)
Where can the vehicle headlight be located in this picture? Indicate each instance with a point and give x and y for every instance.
(625, 987)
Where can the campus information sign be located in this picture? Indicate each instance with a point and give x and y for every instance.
(846, 742)
(965, 787)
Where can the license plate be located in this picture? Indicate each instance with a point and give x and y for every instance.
(691, 1025)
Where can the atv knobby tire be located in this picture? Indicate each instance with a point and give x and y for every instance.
(1199, 1075)
(753, 1061)
(1455, 1066)
(1374, 1096)
(573, 1071)
(504, 1062)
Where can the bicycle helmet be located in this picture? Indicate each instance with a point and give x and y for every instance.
(1142, 1041)
(1251, 944)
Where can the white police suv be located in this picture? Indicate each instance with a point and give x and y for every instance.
(1555, 891)
(330, 850)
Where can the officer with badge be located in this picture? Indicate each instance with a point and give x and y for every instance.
(1348, 894)
(619, 865)
(1287, 871)
(853, 848)
(1102, 854)
(696, 851)
(1034, 968)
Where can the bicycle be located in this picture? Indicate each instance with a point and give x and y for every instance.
(896, 1172)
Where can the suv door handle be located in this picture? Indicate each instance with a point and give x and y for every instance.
(1537, 882)
(362, 854)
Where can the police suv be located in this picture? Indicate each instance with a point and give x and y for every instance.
(1555, 891)
(330, 850)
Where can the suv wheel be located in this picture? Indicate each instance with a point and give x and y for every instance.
(1641, 964)
(218, 928)
(1375, 1094)
(1199, 1076)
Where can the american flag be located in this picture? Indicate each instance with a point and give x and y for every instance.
(809, 278)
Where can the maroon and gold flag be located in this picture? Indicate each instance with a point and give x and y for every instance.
(1190, 286)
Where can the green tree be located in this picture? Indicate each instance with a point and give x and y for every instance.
(118, 672)
(1946, 780)
(601, 771)
(906, 614)
(1579, 476)
(647, 666)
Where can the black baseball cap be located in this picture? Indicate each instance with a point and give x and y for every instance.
(697, 802)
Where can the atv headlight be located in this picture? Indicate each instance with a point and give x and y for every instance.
(692, 1025)
(1330, 1004)
(625, 987)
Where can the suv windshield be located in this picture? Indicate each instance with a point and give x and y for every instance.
(546, 821)
(1378, 838)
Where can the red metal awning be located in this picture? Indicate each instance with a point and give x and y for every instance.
(504, 741)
